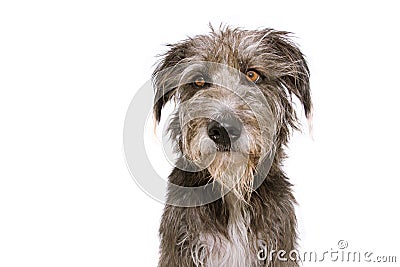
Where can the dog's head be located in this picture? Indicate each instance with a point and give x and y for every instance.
(233, 90)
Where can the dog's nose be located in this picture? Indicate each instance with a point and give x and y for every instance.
(224, 132)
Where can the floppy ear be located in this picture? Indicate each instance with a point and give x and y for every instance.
(294, 74)
(165, 75)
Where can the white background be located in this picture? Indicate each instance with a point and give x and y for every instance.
(69, 69)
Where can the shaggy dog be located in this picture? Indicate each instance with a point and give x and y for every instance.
(228, 197)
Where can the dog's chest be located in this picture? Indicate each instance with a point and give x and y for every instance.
(221, 251)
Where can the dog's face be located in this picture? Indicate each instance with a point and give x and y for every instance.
(234, 93)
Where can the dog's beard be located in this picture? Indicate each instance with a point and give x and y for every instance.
(233, 169)
(234, 172)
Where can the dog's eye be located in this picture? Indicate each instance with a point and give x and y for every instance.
(199, 82)
(252, 76)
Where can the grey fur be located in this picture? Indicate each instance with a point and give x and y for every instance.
(231, 230)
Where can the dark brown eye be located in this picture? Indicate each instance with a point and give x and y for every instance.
(199, 82)
(252, 76)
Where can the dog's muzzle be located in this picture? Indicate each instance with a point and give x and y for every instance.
(224, 132)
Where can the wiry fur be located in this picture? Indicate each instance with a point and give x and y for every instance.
(231, 230)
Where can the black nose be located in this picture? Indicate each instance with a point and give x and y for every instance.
(224, 132)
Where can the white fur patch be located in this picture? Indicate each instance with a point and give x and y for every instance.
(234, 251)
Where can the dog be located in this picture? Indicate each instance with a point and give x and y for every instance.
(233, 117)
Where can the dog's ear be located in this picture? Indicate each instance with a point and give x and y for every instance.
(293, 72)
(164, 77)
